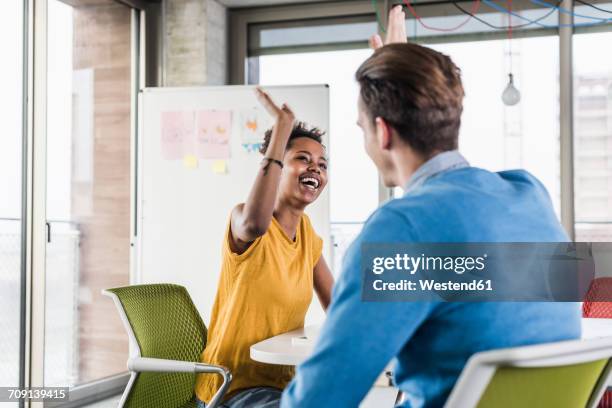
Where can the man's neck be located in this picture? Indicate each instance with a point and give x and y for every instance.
(406, 163)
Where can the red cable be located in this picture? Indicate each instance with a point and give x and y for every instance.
(475, 7)
(509, 19)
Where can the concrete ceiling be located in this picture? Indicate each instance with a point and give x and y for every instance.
(255, 3)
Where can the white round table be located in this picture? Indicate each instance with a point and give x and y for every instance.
(293, 347)
(289, 348)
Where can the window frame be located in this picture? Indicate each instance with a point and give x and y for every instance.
(33, 265)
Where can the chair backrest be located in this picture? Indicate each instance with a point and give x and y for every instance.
(564, 374)
(162, 322)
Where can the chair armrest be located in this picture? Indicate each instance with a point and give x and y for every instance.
(145, 364)
(160, 365)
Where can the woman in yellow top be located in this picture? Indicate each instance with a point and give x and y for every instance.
(271, 262)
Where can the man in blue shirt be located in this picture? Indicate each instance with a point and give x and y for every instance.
(409, 109)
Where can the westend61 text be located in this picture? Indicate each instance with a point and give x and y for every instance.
(430, 284)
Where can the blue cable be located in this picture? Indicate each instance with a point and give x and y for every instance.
(512, 13)
(503, 10)
(566, 11)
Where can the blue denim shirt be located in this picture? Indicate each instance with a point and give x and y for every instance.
(430, 342)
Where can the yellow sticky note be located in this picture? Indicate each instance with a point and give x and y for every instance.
(219, 167)
(190, 161)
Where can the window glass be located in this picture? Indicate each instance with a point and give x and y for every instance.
(593, 135)
(88, 188)
(310, 33)
(499, 137)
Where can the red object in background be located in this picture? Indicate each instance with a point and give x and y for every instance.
(593, 307)
(597, 302)
(606, 400)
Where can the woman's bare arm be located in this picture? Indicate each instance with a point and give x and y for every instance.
(323, 282)
(252, 219)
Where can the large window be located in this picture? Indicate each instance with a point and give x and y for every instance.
(88, 188)
(493, 136)
(353, 177)
(11, 106)
(593, 136)
(499, 137)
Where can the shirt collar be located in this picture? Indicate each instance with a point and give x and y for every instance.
(440, 163)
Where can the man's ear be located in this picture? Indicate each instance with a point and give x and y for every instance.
(383, 133)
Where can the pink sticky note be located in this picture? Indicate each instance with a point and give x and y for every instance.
(213, 134)
(177, 134)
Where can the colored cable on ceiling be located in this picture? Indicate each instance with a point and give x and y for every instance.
(503, 10)
(475, 7)
(496, 27)
(566, 11)
(593, 6)
(476, 4)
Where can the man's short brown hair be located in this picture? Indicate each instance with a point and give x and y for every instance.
(417, 91)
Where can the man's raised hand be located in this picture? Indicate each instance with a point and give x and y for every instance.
(396, 29)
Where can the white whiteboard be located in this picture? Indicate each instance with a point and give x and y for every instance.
(182, 212)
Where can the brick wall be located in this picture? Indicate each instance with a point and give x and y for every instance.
(102, 44)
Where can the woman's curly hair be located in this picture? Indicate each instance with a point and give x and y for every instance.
(300, 129)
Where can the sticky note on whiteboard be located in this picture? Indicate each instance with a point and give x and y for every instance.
(177, 134)
(213, 134)
(219, 167)
(190, 161)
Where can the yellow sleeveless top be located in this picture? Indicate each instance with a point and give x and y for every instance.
(262, 292)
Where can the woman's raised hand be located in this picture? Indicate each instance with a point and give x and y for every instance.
(396, 29)
(252, 219)
(283, 115)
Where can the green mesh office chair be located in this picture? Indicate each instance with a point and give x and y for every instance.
(167, 336)
(567, 374)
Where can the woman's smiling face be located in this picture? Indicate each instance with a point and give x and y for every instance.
(304, 173)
